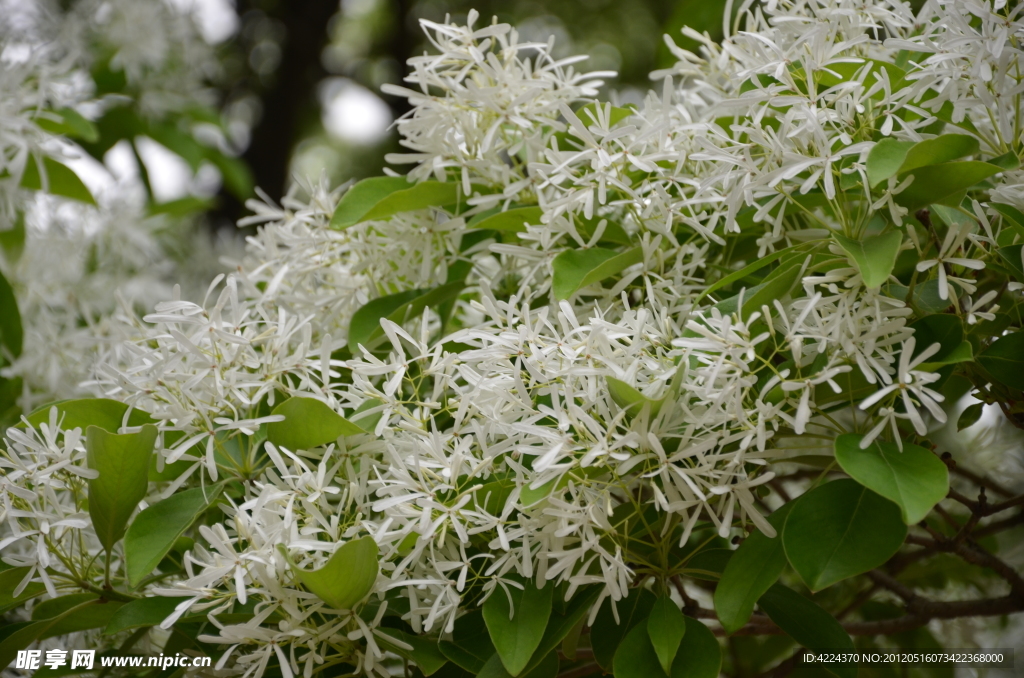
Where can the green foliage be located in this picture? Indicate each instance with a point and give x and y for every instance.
(308, 423)
(1004, 360)
(382, 197)
(11, 332)
(347, 576)
(516, 619)
(154, 531)
(839, 530)
(140, 613)
(874, 256)
(913, 477)
(666, 627)
(59, 180)
(365, 329)
(122, 462)
(808, 624)
(575, 269)
(753, 568)
(608, 630)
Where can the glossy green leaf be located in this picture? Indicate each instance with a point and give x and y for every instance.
(635, 656)
(607, 633)
(516, 622)
(562, 624)
(142, 612)
(509, 221)
(346, 578)
(630, 399)
(546, 668)
(776, 285)
(154, 531)
(841, 529)
(11, 331)
(890, 157)
(308, 423)
(1011, 216)
(1011, 255)
(575, 269)
(69, 122)
(885, 159)
(122, 462)
(666, 627)
(874, 256)
(364, 328)
(940, 149)
(383, 197)
(698, 656)
(806, 623)
(751, 570)
(944, 329)
(1004, 360)
(934, 183)
(748, 270)
(423, 652)
(970, 416)
(60, 180)
(915, 478)
(102, 412)
(9, 581)
(30, 632)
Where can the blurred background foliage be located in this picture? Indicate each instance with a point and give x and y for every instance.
(298, 83)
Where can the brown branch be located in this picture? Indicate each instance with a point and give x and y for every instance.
(981, 481)
(999, 525)
(581, 671)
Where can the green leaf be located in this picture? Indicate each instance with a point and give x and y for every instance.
(944, 329)
(509, 221)
(666, 627)
(925, 297)
(808, 624)
(123, 465)
(71, 123)
(590, 113)
(517, 621)
(30, 632)
(885, 159)
(839, 530)
(9, 580)
(776, 285)
(11, 332)
(102, 412)
(424, 652)
(471, 645)
(607, 633)
(308, 423)
(1012, 256)
(365, 328)
(874, 256)
(346, 578)
(635, 656)
(152, 534)
(546, 668)
(630, 399)
(1004, 360)
(141, 612)
(751, 570)
(934, 183)
(382, 197)
(940, 149)
(969, 417)
(699, 655)
(576, 269)
(750, 269)
(561, 625)
(60, 180)
(915, 478)
(1011, 215)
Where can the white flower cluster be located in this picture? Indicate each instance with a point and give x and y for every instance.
(522, 427)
